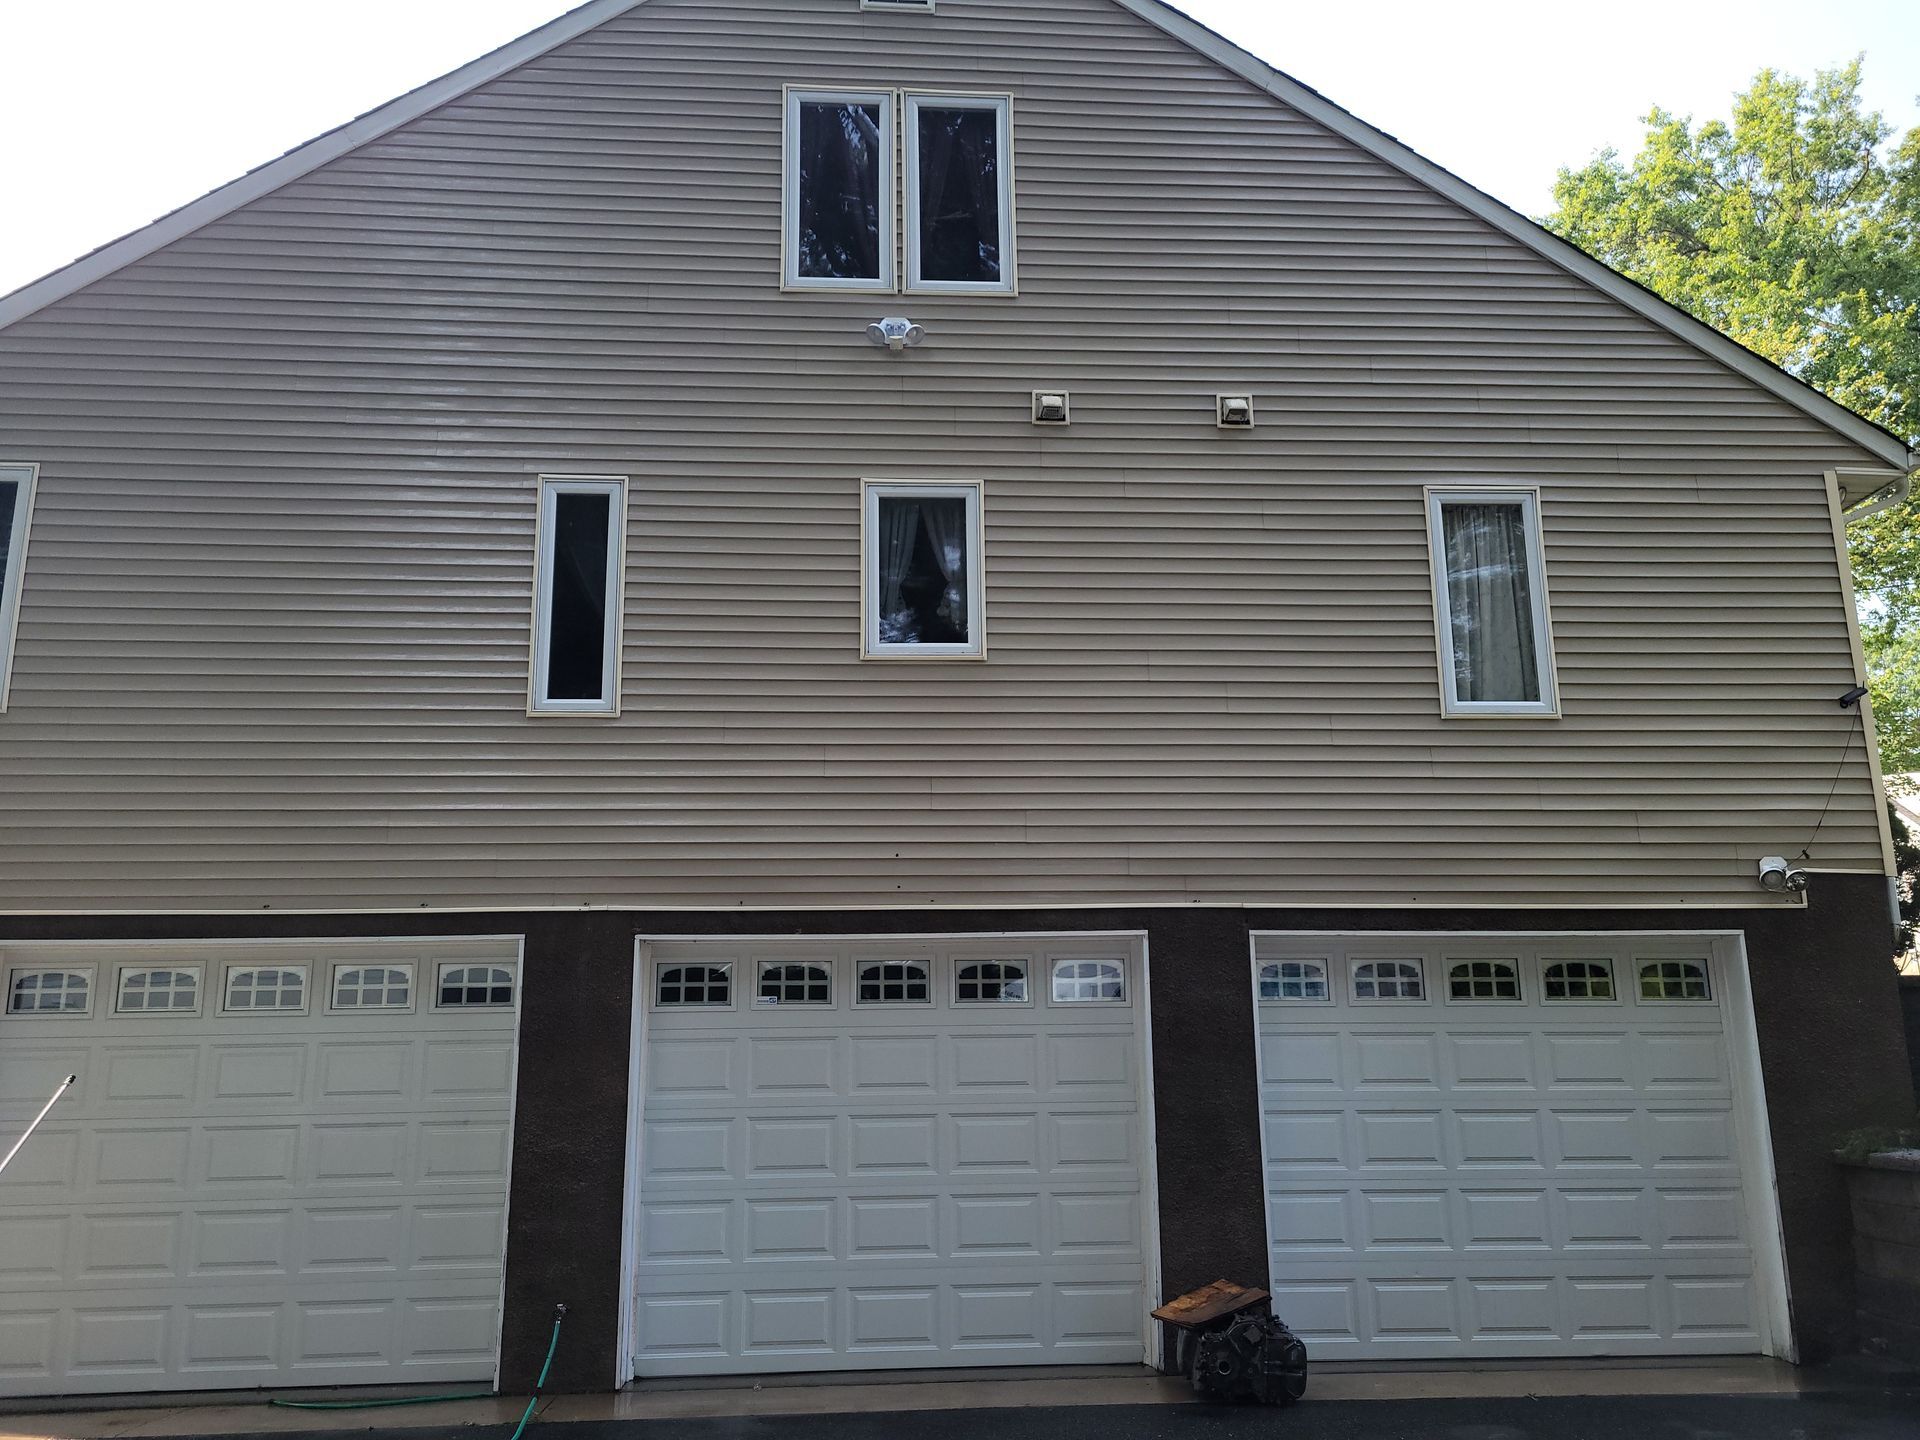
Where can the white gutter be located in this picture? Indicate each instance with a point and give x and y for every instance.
(1894, 492)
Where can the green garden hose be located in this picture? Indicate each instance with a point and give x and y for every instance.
(559, 1314)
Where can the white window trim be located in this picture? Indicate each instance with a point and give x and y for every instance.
(15, 972)
(251, 967)
(551, 488)
(14, 579)
(974, 493)
(1528, 498)
(790, 277)
(122, 973)
(1002, 107)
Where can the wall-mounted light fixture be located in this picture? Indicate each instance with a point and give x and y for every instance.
(1235, 412)
(896, 333)
(1782, 878)
(1052, 407)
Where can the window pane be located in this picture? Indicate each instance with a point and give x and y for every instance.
(576, 642)
(921, 552)
(9, 500)
(959, 195)
(839, 199)
(1491, 595)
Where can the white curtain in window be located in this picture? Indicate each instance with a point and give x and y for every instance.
(899, 529)
(947, 528)
(1490, 592)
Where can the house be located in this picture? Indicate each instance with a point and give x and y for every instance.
(860, 685)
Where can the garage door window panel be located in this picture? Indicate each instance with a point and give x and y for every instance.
(1675, 981)
(373, 987)
(1579, 981)
(1403, 981)
(50, 992)
(281, 989)
(1089, 982)
(895, 982)
(695, 985)
(783, 983)
(1493, 982)
(1287, 980)
(468, 986)
(991, 982)
(161, 991)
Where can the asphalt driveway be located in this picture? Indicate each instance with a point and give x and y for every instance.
(1853, 1414)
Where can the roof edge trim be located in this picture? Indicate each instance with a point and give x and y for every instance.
(303, 160)
(1571, 258)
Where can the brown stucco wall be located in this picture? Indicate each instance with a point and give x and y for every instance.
(1833, 1055)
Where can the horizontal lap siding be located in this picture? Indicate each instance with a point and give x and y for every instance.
(274, 645)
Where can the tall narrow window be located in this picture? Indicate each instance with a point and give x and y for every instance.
(923, 592)
(839, 190)
(577, 600)
(959, 193)
(1491, 603)
(16, 507)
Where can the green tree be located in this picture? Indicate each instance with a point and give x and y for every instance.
(1794, 229)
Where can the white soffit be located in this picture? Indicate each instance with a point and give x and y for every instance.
(269, 177)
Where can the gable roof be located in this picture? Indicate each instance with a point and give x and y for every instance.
(371, 126)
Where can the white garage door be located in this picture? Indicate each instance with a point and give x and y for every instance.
(284, 1164)
(1511, 1147)
(871, 1154)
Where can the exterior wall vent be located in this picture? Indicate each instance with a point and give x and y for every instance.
(919, 7)
(1052, 407)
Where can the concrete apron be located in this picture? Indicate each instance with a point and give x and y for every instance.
(842, 1395)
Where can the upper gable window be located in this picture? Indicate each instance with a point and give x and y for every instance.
(839, 190)
(959, 193)
(1491, 603)
(923, 597)
(16, 505)
(577, 595)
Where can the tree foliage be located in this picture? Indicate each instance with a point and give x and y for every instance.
(1795, 229)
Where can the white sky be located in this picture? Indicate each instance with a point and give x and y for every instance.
(116, 111)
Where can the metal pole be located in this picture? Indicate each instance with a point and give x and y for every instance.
(65, 1085)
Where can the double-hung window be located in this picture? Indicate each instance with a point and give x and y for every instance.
(577, 595)
(923, 591)
(845, 193)
(1490, 602)
(16, 505)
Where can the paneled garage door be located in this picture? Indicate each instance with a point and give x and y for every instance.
(1509, 1147)
(284, 1164)
(876, 1154)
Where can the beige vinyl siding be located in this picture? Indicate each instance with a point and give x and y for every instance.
(274, 644)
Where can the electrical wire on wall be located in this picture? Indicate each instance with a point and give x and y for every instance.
(1849, 701)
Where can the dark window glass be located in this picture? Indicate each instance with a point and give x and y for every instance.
(839, 183)
(577, 637)
(921, 551)
(1490, 591)
(959, 195)
(9, 498)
